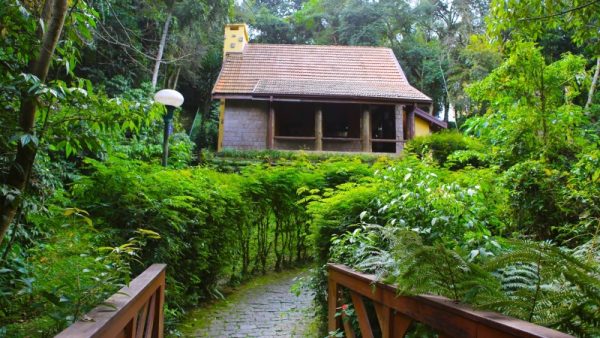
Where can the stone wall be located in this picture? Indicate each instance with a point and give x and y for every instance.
(245, 124)
(331, 145)
(294, 145)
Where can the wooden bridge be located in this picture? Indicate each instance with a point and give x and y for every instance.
(136, 311)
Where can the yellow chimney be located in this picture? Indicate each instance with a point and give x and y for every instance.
(236, 38)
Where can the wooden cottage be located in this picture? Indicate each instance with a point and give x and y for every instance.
(331, 98)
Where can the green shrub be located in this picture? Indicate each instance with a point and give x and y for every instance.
(533, 281)
(535, 191)
(194, 211)
(147, 147)
(439, 146)
(63, 277)
(467, 158)
(337, 211)
(214, 226)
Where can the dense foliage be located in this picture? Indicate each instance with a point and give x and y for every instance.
(507, 221)
(502, 213)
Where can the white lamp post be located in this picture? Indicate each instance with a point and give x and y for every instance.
(172, 99)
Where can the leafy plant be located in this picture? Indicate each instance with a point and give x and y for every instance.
(440, 146)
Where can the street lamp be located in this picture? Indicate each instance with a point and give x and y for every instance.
(172, 99)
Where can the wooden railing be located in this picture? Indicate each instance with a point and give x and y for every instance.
(135, 311)
(395, 314)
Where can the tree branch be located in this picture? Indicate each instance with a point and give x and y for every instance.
(590, 98)
(560, 13)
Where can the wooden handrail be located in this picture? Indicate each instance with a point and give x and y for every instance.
(386, 140)
(342, 139)
(295, 138)
(137, 311)
(396, 313)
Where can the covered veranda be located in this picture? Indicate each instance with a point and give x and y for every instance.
(332, 126)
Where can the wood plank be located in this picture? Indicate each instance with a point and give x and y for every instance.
(346, 139)
(383, 140)
(384, 315)
(400, 324)
(361, 313)
(149, 325)
(141, 320)
(348, 330)
(294, 138)
(159, 327)
(332, 294)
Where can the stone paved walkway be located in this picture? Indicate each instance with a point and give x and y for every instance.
(266, 308)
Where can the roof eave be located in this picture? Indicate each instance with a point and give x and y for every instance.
(431, 119)
(275, 96)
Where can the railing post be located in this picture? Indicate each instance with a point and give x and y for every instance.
(332, 294)
(159, 329)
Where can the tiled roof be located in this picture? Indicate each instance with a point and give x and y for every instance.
(313, 71)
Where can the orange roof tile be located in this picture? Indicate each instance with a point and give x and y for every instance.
(313, 71)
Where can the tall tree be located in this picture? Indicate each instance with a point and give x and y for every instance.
(52, 20)
(161, 48)
(534, 19)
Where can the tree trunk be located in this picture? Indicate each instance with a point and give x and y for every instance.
(447, 99)
(590, 98)
(204, 117)
(20, 169)
(174, 84)
(161, 49)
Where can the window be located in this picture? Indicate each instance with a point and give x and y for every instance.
(294, 119)
(341, 120)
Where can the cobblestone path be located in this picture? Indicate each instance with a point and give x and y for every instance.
(263, 308)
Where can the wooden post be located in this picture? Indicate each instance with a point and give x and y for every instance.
(159, 313)
(221, 125)
(399, 115)
(332, 294)
(271, 127)
(319, 128)
(361, 313)
(410, 123)
(431, 109)
(365, 133)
